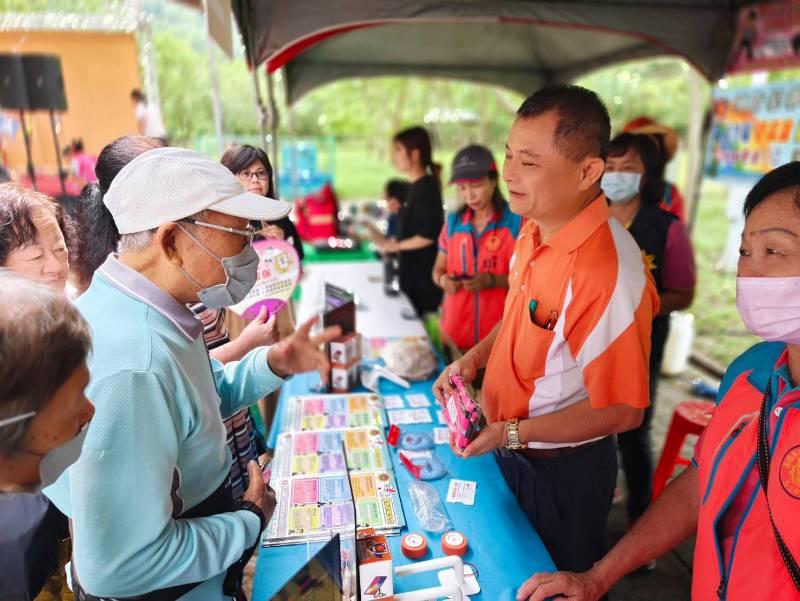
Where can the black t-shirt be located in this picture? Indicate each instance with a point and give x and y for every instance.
(422, 215)
(289, 232)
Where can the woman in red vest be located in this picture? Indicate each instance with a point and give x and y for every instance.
(475, 247)
(741, 495)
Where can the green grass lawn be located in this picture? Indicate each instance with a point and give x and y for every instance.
(720, 332)
(360, 175)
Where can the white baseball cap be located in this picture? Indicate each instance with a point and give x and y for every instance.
(169, 184)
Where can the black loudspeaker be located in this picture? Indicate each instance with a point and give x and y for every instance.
(13, 89)
(44, 82)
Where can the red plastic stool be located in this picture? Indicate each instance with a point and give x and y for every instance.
(690, 417)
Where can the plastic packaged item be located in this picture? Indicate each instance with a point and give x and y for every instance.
(462, 414)
(410, 358)
(423, 465)
(416, 441)
(428, 507)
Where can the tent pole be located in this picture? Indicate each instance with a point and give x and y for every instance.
(698, 138)
(262, 110)
(274, 119)
(293, 192)
(216, 102)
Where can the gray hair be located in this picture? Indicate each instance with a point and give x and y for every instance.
(43, 340)
(141, 240)
(136, 241)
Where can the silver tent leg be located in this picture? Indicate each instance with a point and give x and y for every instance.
(274, 121)
(216, 101)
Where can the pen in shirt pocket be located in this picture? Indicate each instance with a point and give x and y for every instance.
(552, 316)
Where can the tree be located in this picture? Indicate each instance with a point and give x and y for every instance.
(184, 88)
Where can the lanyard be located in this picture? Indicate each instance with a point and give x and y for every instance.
(763, 474)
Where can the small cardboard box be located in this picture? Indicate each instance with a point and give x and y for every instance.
(346, 350)
(374, 567)
(344, 377)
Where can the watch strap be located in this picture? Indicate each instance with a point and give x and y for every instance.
(512, 434)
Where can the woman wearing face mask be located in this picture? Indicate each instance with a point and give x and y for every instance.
(421, 219)
(33, 245)
(633, 186)
(44, 343)
(742, 492)
(475, 246)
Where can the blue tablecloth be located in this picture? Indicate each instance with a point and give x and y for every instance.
(502, 543)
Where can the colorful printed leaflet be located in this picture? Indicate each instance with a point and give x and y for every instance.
(377, 501)
(330, 453)
(309, 507)
(332, 411)
(313, 507)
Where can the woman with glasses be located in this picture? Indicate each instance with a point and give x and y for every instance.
(251, 165)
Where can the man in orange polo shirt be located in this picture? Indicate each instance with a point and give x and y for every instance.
(567, 367)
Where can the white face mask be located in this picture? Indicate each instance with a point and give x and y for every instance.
(56, 461)
(621, 186)
(241, 274)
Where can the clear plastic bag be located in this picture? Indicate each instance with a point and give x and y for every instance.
(428, 507)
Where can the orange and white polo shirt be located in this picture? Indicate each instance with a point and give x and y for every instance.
(590, 282)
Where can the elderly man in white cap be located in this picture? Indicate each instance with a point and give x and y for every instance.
(149, 500)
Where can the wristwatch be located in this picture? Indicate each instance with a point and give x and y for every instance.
(252, 507)
(512, 435)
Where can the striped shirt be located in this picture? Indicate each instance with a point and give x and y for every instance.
(590, 281)
(240, 435)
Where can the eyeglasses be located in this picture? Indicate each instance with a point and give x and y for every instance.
(249, 233)
(16, 419)
(246, 176)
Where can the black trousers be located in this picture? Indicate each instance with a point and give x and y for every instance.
(635, 446)
(637, 459)
(567, 499)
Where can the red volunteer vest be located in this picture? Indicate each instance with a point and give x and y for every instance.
(756, 569)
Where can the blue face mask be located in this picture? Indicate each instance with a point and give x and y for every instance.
(241, 273)
(621, 186)
(56, 461)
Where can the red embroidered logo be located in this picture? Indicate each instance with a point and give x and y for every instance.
(790, 472)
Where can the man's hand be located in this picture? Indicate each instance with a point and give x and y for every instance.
(448, 284)
(259, 493)
(463, 367)
(480, 281)
(300, 352)
(490, 438)
(259, 332)
(587, 586)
